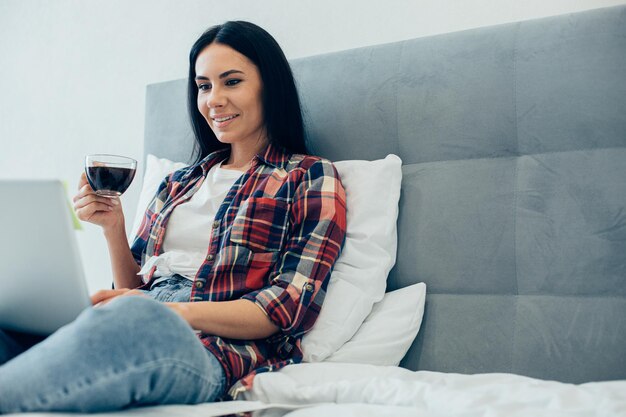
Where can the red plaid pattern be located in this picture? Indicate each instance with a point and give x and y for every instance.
(274, 242)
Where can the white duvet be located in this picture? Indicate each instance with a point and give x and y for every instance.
(351, 390)
(366, 390)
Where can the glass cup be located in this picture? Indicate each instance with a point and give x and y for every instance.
(109, 175)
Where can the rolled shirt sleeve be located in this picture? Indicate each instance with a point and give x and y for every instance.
(318, 227)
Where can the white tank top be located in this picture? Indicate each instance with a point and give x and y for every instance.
(188, 229)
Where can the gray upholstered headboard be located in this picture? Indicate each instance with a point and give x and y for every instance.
(513, 206)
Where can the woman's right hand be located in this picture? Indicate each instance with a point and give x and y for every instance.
(102, 297)
(90, 207)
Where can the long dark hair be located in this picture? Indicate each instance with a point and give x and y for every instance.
(281, 106)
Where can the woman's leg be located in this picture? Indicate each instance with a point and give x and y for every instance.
(132, 351)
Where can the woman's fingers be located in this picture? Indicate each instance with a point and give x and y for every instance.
(93, 208)
(134, 292)
(96, 209)
(104, 295)
(94, 198)
(86, 208)
(87, 203)
(86, 213)
(83, 180)
(84, 191)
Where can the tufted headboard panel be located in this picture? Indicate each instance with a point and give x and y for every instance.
(513, 205)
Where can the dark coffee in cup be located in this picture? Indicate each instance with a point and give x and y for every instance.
(109, 175)
(110, 180)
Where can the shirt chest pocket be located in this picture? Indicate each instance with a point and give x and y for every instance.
(261, 224)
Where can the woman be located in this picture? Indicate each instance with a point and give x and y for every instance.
(229, 267)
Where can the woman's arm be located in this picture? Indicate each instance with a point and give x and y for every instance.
(294, 296)
(289, 303)
(238, 319)
(123, 263)
(107, 213)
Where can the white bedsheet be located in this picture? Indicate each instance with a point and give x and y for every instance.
(199, 410)
(356, 390)
(366, 390)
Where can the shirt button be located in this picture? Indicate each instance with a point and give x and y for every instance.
(209, 258)
(216, 224)
(309, 287)
(199, 284)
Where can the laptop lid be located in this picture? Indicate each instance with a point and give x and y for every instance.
(42, 283)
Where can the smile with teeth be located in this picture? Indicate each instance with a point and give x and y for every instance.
(224, 119)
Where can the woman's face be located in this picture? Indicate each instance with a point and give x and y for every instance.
(229, 95)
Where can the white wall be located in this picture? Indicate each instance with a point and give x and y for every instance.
(73, 72)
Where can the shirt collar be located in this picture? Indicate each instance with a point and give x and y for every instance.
(274, 155)
(207, 163)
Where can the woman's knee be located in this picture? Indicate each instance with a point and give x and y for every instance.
(140, 319)
(125, 309)
(142, 307)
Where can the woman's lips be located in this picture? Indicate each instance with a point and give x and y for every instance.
(224, 123)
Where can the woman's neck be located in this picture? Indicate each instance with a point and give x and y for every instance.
(241, 157)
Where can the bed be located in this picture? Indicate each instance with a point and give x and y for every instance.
(511, 209)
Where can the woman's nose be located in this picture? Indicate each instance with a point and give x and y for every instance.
(216, 99)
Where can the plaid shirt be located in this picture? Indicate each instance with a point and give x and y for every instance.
(274, 242)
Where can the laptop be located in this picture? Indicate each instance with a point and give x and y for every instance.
(42, 281)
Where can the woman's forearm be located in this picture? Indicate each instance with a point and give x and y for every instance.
(122, 261)
(238, 319)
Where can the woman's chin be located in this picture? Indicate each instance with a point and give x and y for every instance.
(225, 139)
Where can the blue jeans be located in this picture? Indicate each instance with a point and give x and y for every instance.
(170, 289)
(133, 351)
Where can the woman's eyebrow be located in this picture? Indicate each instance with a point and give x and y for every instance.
(222, 75)
(229, 72)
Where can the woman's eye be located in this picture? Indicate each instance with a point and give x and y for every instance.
(233, 81)
(204, 87)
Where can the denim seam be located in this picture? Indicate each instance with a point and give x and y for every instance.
(172, 363)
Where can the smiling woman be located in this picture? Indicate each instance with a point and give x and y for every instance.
(255, 53)
(230, 101)
(229, 267)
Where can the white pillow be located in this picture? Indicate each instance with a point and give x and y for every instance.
(360, 274)
(156, 170)
(359, 277)
(388, 332)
